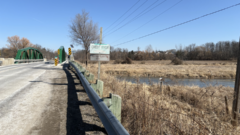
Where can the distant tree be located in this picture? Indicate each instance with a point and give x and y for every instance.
(15, 43)
(131, 54)
(83, 31)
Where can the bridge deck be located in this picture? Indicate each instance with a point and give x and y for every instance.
(52, 102)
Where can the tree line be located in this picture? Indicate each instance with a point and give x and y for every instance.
(222, 50)
(15, 43)
(122, 54)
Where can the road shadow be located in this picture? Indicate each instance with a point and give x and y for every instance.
(75, 124)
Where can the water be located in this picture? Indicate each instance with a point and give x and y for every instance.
(185, 81)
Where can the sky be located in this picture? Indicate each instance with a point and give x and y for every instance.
(46, 22)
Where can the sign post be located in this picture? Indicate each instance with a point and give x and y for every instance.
(99, 52)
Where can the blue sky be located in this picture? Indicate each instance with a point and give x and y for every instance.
(46, 22)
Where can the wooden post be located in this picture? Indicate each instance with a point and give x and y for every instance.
(99, 63)
(160, 83)
(226, 103)
(235, 107)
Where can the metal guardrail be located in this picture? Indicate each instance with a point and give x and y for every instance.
(29, 60)
(110, 122)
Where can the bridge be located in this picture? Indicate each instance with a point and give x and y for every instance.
(28, 53)
(42, 98)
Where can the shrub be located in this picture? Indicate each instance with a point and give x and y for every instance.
(127, 61)
(117, 61)
(177, 61)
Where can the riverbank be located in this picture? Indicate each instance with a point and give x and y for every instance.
(189, 69)
(177, 109)
(186, 81)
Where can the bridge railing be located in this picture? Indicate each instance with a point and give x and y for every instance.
(110, 122)
(27, 60)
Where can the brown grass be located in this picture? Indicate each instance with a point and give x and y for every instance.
(193, 69)
(177, 110)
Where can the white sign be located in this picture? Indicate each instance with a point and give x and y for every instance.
(99, 57)
(99, 49)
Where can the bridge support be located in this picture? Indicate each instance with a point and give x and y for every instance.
(61, 55)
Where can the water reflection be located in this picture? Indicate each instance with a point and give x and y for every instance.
(186, 81)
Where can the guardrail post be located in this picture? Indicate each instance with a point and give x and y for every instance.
(114, 104)
(81, 68)
(98, 87)
(90, 77)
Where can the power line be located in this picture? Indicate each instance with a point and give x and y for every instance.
(150, 20)
(132, 12)
(180, 24)
(136, 18)
(148, 7)
(123, 14)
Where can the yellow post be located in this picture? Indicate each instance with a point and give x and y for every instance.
(69, 51)
(56, 61)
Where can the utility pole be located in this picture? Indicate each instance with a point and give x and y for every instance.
(99, 63)
(236, 100)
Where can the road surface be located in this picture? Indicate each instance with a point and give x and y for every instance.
(43, 99)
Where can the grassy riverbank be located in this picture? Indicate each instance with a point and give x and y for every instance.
(189, 69)
(175, 110)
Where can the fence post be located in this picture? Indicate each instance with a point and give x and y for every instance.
(235, 107)
(160, 83)
(114, 104)
(90, 77)
(226, 103)
(98, 87)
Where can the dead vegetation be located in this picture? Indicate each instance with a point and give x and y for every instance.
(193, 69)
(177, 61)
(126, 61)
(177, 110)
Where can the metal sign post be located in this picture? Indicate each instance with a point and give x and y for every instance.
(99, 52)
(99, 63)
(99, 67)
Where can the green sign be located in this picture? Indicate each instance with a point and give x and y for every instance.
(99, 49)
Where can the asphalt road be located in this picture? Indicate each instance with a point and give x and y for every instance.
(15, 77)
(43, 99)
(22, 97)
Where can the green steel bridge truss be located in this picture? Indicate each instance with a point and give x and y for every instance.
(28, 53)
(61, 55)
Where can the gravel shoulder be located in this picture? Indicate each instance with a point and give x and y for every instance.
(68, 110)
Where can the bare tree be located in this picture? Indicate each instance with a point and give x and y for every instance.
(15, 43)
(83, 31)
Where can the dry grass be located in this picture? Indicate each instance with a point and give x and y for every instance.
(189, 69)
(187, 62)
(175, 110)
